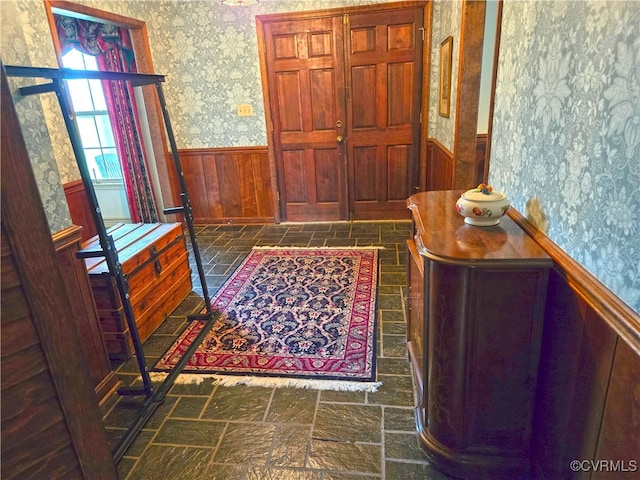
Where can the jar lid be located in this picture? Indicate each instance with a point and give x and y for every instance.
(483, 193)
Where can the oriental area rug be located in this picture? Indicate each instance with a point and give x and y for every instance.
(300, 317)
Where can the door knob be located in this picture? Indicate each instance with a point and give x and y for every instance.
(339, 139)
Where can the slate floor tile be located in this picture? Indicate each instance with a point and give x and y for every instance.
(290, 446)
(164, 462)
(161, 413)
(189, 407)
(291, 405)
(236, 472)
(348, 423)
(245, 444)
(141, 443)
(403, 446)
(394, 346)
(393, 366)
(190, 432)
(389, 302)
(391, 316)
(348, 476)
(412, 471)
(393, 279)
(400, 419)
(345, 457)
(238, 403)
(394, 328)
(396, 390)
(125, 465)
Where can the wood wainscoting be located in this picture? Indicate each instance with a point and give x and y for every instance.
(481, 158)
(85, 316)
(79, 208)
(588, 395)
(229, 184)
(440, 164)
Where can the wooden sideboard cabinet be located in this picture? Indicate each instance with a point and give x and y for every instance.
(476, 305)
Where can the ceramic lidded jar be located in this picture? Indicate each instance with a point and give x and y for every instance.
(482, 206)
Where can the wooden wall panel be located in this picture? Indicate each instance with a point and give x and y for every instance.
(576, 358)
(588, 393)
(63, 435)
(85, 315)
(79, 208)
(440, 166)
(481, 158)
(619, 438)
(229, 184)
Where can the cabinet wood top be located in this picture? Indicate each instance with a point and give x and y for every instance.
(441, 234)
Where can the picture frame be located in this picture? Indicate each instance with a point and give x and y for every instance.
(446, 53)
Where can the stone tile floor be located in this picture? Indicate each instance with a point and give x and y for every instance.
(236, 433)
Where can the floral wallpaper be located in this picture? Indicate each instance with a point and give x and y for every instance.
(446, 18)
(15, 50)
(566, 131)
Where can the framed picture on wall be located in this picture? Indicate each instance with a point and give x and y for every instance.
(445, 76)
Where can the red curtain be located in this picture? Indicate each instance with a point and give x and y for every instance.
(112, 47)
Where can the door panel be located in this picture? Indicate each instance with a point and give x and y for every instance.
(383, 111)
(364, 95)
(305, 65)
(288, 89)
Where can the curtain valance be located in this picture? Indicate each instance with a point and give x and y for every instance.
(92, 38)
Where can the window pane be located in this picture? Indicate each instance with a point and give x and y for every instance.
(99, 102)
(104, 131)
(88, 133)
(94, 126)
(80, 95)
(73, 59)
(90, 62)
(91, 154)
(109, 165)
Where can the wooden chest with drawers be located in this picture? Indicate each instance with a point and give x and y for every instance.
(155, 264)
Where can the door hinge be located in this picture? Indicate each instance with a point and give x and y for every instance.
(345, 19)
(352, 216)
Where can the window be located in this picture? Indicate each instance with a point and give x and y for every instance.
(92, 117)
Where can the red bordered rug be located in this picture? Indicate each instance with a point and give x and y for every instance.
(291, 312)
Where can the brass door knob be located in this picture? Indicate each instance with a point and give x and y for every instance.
(339, 139)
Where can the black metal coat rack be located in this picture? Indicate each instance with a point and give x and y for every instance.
(154, 397)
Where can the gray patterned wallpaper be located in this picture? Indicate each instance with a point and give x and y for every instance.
(15, 50)
(566, 132)
(446, 18)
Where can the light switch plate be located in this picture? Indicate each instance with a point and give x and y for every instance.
(245, 110)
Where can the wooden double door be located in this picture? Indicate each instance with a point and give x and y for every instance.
(344, 98)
